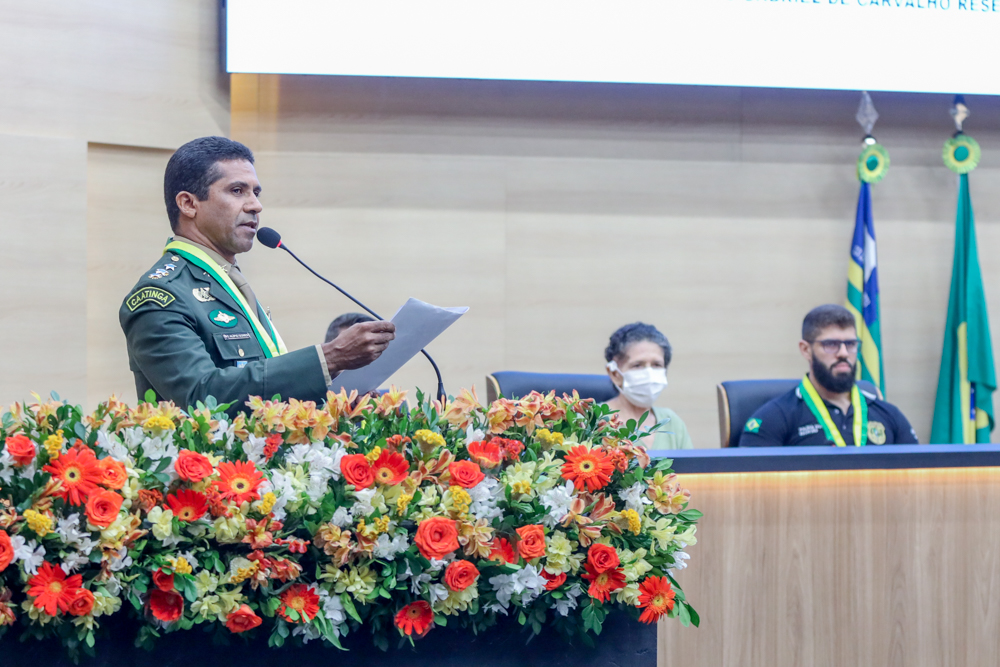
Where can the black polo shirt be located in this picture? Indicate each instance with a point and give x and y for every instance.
(787, 420)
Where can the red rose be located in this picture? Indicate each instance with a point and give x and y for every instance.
(460, 575)
(436, 537)
(167, 606)
(465, 474)
(6, 551)
(357, 471)
(83, 603)
(163, 581)
(192, 466)
(21, 449)
(242, 619)
(102, 507)
(532, 541)
(603, 558)
(555, 580)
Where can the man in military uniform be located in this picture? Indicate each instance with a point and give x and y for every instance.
(193, 326)
(827, 407)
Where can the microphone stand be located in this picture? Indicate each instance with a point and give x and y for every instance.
(442, 396)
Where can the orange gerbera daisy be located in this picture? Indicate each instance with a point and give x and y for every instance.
(390, 468)
(239, 481)
(188, 505)
(602, 584)
(587, 468)
(656, 598)
(486, 454)
(79, 473)
(303, 600)
(52, 590)
(415, 618)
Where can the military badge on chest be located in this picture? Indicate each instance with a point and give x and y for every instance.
(876, 433)
(222, 318)
(202, 294)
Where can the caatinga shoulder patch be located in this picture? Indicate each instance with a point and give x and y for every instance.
(160, 297)
(753, 426)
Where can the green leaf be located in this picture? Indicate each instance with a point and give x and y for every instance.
(283, 627)
(690, 515)
(683, 615)
(349, 607)
(292, 614)
(695, 618)
(150, 396)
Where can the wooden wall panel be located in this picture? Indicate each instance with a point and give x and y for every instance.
(43, 205)
(842, 568)
(140, 73)
(126, 228)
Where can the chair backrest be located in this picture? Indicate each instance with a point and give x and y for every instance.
(515, 384)
(739, 399)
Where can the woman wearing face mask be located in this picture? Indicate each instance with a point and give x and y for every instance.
(638, 356)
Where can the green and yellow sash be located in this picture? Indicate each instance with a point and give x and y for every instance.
(818, 408)
(268, 337)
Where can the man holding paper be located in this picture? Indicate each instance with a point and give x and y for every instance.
(193, 326)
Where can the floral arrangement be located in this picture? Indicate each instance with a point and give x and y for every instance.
(309, 523)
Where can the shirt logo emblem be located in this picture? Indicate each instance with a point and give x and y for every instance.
(222, 318)
(876, 433)
(810, 429)
(202, 294)
(160, 297)
(753, 426)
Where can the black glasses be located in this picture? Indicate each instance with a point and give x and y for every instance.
(832, 345)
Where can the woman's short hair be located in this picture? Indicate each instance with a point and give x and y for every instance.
(636, 332)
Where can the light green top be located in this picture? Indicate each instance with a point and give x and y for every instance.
(672, 435)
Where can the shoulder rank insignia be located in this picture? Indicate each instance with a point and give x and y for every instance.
(753, 426)
(222, 318)
(202, 294)
(155, 295)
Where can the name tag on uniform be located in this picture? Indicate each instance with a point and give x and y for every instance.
(241, 363)
(236, 336)
(809, 429)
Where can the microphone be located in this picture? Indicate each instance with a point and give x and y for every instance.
(272, 239)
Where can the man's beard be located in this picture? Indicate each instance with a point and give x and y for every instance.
(838, 383)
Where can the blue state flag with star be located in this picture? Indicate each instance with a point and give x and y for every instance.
(863, 293)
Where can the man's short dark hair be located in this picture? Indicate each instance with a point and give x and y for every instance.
(194, 167)
(345, 321)
(828, 315)
(636, 333)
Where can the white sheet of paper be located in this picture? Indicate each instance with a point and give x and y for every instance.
(417, 324)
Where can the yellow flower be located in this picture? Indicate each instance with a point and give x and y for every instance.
(429, 440)
(402, 503)
(158, 422)
(523, 486)
(634, 564)
(457, 601)
(373, 455)
(634, 522)
(457, 500)
(53, 444)
(267, 503)
(358, 581)
(40, 523)
(559, 555)
(229, 601)
(548, 439)
(628, 595)
(662, 531)
(35, 614)
(244, 573)
(687, 537)
(104, 604)
(379, 526)
(207, 606)
(162, 521)
(180, 565)
(228, 530)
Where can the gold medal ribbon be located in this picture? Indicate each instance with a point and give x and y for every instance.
(268, 337)
(818, 408)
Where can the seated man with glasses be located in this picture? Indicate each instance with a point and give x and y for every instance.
(827, 408)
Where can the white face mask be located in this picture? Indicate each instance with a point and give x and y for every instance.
(641, 386)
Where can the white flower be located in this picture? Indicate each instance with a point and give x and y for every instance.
(363, 506)
(307, 631)
(387, 549)
(113, 448)
(564, 605)
(438, 592)
(254, 449)
(635, 497)
(29, 553)
(120, 560)
(557, 500)
(416, 582)
(69, 528)
(342, 517)
(224, 431)
(680, 560)
(503, 586)
(485, 497)
(113, 586)
(72, 561)
(531, 582)
(333, 609)
(473, 434)
(160, 448)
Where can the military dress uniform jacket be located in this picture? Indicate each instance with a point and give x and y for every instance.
(188, 339)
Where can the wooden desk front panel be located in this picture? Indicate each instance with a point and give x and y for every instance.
(843, 568)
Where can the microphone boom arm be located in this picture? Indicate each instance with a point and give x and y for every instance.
(442, 396)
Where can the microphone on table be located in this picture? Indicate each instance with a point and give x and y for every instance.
(272, 239)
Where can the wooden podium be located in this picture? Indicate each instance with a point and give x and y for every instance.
(843, 567)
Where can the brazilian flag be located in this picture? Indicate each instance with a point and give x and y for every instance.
(963, 409)
(863, 294)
